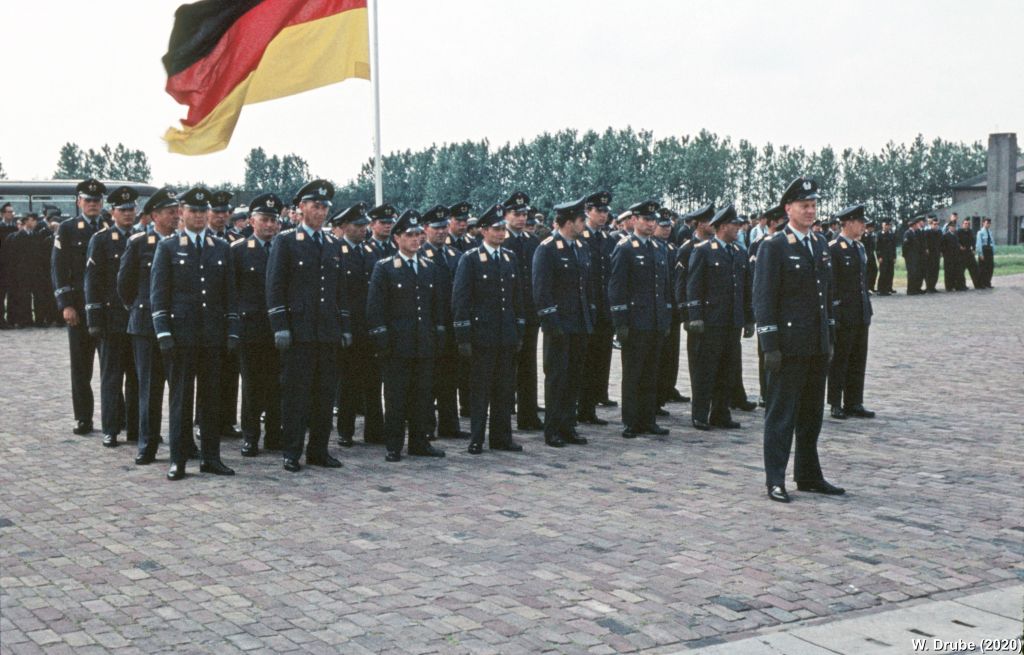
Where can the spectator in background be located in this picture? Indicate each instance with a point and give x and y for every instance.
(985, 247)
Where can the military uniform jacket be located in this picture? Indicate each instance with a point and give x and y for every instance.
(717, 285)
(133, 284)
(869, 241)
(932, 240)
(382, 249)
(851, 304)
(404, 307)
(639, 288)
(19, 252)
(913, 246)
(680, 275)
(357, 262)
(524, 246)
(950, 245)
(103, 306)
(305, 292)
(599, 246)
(67, 261)
(462, 244)
(193, 294)
(446, 260)
(486, 305)
(887, 246)
(792, 295)
(672, 251)
(249, 263)
(561, 286)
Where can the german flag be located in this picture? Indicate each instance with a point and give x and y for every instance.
(225, 54)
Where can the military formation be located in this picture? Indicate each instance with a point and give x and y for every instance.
(413, 320)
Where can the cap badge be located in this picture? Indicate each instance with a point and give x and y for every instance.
(807, 185)
(199, 196)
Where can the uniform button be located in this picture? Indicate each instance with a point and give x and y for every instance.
(204, 304)
(204, 292)
(202, 279)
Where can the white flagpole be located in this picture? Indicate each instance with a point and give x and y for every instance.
(378, 171)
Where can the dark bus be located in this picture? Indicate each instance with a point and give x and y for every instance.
(46, 195)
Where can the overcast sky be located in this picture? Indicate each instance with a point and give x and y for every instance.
(786, 71)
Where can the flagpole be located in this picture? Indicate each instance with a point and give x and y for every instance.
(378, 170)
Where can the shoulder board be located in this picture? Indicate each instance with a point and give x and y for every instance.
(505, 255)
(671, 247)
(368, 248)
(579, 244)
(423, 260)
(451, 252)
(136, 236)
(209, 241)
(833, 242)
(687, 242)
(329, 237)
(547, 241)
(702, 244)
(252, 244)
(290, 230)
(103, 229)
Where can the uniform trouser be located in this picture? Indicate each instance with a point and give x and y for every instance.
(491, 394)
(949, 274)
(915, 276)
(931, 272)
(44, 302)
(149, 370)
(796, 396)
(872, 272)
(563, 363)
(639, 388)
(119, 386)
(737, 391)
(193, 371)
(692, 364)
(596, 369)
(886, 271)
(668, 367)
(309, 379)
(229, 391)
(446, 371)
(83, 355)
(761, 384)
(19, 305)
(408, 382)
(462, 377)
(5, 296)
(986, 266)
(526, 376)
(971, 266)
(260, 366)
(717, 359)
(359, 390)
(849, 361)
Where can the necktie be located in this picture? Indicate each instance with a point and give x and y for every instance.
(412, 262)
(807, 244)
(317, 238)
(199, 244)
(266, 247)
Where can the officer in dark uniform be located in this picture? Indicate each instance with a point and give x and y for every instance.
(952, 269)
(107, 319)
(67, 268)
(405, 317)
(668, 366)
(639, 292)
(259, 361)
(523, 245)
(598, 360)
(966, 239)
(932, 238)
(19, 250)
(775, 220)
(446, 366)
(359, 382)
(913, 256)
(561, 294)
(701, 231)
(133, 288)
(851, 308)
(793, 309)
(382, 218)
(489, 325)
(195, 317)
(870, 243)
(310, 318)
(457, 238)
(886, 258)
(718, 292)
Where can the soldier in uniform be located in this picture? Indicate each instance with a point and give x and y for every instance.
(359, 382)
(220, 212)
(598, 361)
(457, 238)
(523, 245)
(639, 292)
(870, 242)
(195, 318)
(382, 218)
(489, 324)
(794, 324)
(913, 256)
(133, 288)
(405, 318)
(259, 361)
(965, 237)
(851, 308)
(932, 259)
(67, 268)
(309, 315)
(701, 231)
(446, 366)
(952, 270)
(8, 228)
(886, 258)
(718, 293)
(668, 367)
(561, 294)
(107, 320)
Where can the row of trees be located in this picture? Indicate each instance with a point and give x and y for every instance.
(117, 163)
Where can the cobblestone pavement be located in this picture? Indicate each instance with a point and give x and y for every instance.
(654, 545)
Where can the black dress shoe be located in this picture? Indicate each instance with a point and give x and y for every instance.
(554, 442)
(593, 419)
(630, 433)
(511, 446)
(837, 412)
(393, 456)
(778, 494)
(176, 472)
(110, 440)
(426, 451)
(701, 425)
(292, 464)
(475, 448)
(216, 467)
(822, 487)
(145, 458)
(607, 402)
(326, 461)
(728, 425)
(654, 428)
(574, 439)
(661, 412)
(859, 412)
(760, 402)
(250, 449)
(675, 397)
(82, 428)
(745, 406)
(346, 441)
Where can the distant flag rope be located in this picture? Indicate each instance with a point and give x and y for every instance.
(224, 54)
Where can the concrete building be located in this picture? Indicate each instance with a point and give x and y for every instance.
(997, 194)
